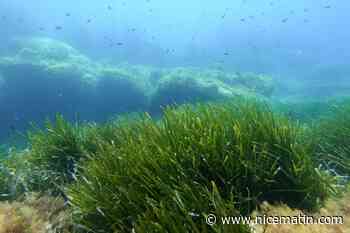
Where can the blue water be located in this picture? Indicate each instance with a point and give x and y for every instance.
(303, 45)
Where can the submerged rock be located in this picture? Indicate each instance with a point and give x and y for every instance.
(118, 92)
(181, 89)
(45, 76)
(51, 56)
(182, 85)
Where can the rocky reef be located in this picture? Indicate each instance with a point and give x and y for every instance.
(46, 76)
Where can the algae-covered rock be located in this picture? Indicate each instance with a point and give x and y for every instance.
(39, 50)
(45, 76)
(32, 93)
(117, 91)
(181, 89)
(181, 85)
(52, 56)
(258, 83)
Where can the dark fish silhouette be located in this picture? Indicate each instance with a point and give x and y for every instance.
(12, 128)
(58, 28)
(119, 43)
(109, 7)
(284, 20)
(67, 14)
(226, 54)
(327, 7)
(242, 19)
(88, 21)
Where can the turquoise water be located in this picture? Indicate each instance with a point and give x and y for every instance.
(55, 54)
(75, 77)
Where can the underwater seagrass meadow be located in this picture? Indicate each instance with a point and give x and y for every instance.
(153, 116)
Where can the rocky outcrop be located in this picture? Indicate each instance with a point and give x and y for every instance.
(46, 76)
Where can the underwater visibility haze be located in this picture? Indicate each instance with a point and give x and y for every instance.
(150, 116)
(302, 45)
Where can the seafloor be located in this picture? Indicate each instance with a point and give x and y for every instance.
(132, 148)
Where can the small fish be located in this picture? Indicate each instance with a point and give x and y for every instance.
(58, 28)
(251, 17)
(252, 46)
(41, 29)
(88, 21)
(242, 19)
(226, 54)
(284, 20)
(305, 20)
(306, 10)
(327, 7)
(12, 128)
(109, 7)
(67, 14)
(119, 43)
